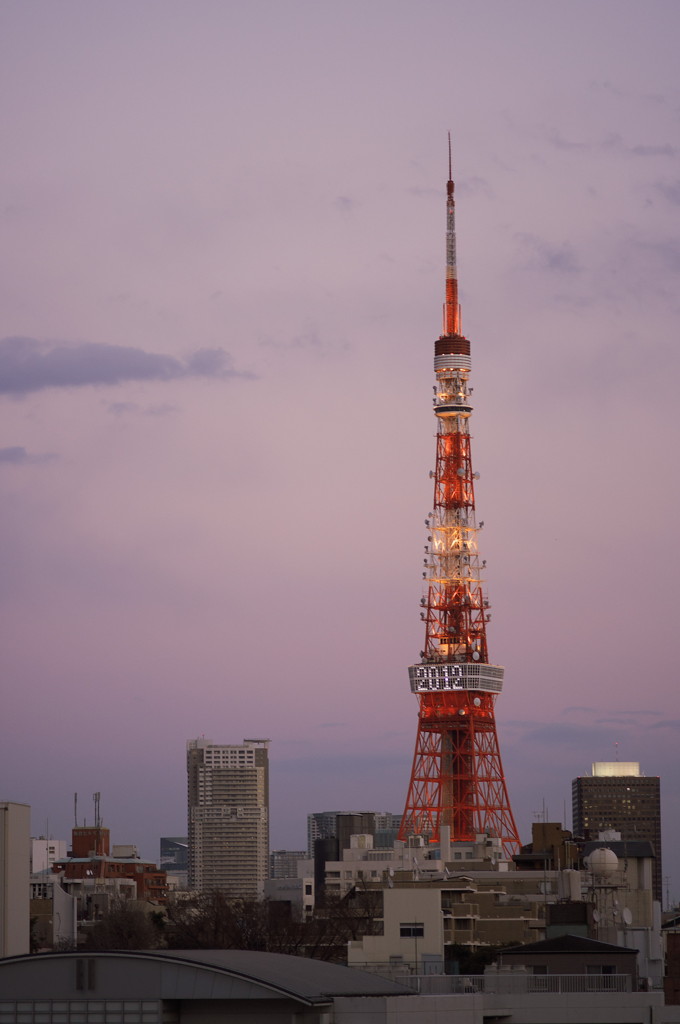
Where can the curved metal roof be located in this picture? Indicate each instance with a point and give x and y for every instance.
(224, 973)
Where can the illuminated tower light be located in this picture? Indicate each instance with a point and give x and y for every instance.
(457, 776)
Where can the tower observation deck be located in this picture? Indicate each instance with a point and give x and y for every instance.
(457, 776)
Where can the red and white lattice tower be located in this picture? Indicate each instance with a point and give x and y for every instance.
(457, 777)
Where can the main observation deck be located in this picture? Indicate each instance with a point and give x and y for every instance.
(442, 676)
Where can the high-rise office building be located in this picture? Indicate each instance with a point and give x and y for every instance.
(174, 860)
(284, 863)
(174, 853)
(616, 796)
(341, 825)
(228, 802)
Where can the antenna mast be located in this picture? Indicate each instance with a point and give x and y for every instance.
(451, 306)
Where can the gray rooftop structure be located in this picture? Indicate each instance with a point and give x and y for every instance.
(265, 983)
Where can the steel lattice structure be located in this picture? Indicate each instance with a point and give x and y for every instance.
(457, 777)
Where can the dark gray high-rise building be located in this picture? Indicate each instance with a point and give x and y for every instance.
(616, 796)
(284, 863)
(174, 853)
(341, 825)
(228, 802)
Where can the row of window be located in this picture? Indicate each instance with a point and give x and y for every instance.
(80, 1012)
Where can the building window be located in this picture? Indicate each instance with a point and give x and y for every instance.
(411, 930)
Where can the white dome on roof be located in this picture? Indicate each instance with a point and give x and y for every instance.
(603, 862)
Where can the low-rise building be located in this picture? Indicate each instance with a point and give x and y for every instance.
(238, 985)
(470, 897)
(95, 877)
(54, 915)
(298, 893)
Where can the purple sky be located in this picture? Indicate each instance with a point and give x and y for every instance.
(222, 276)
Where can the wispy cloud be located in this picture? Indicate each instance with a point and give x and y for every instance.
(588, 728)
(15, 455)
(345, 205)
(670, 190)
(544, 255)
(474, 185)
(309, 340)
(613, 143)
(133, 409)
(28, 365)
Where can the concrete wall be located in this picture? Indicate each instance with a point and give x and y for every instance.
(404, 907)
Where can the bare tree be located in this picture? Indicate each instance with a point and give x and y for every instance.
(214, 920)
(125, 926)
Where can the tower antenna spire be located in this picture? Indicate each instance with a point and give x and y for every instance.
(451, 308)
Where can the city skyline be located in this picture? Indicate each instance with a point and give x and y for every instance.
(222, 271)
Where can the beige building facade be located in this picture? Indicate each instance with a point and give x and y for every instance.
(228, 816)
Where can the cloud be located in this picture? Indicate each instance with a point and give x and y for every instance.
(132, 408)
(556, 735)
(17, 456)
(665, 252)
(670, 191)
(543, 255)
(308, 340)
(474, 185)
(665, 149)
(28, 365)
(613, 143)
(345, 205)
(122, 408)
(591, 728)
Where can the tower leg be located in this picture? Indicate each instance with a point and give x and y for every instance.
(457, 776)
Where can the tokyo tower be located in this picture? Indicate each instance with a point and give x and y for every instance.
(457, 776)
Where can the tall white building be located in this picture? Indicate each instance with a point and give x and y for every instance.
(228, 803)
(15, 863)
(46, 852)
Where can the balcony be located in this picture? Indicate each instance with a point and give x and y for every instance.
(515, 983)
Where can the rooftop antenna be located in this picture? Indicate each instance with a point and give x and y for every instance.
(75, 808)
(97, 819)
